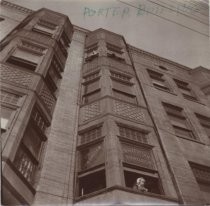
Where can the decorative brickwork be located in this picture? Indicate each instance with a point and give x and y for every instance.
(91, 110)
(16, 7)
(47, 98)
(128, 111)
(137, 155)
(91, 156)
(16, 76)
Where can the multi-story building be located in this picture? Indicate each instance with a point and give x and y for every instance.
(84, 115)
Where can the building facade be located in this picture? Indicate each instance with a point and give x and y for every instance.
(84, 115)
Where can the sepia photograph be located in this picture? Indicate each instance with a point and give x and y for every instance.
(105, 102)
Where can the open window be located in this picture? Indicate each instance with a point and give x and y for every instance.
(92, 182)
(152, 183)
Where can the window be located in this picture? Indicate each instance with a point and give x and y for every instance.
(10, 98)
(91, 156)
(185, 90)
(27, 157)
(28, 154)
(202, 176)
(91, 91)
(132, 134)
(158, 80)
(92, 182)
(120, 76)
(114, 52)
(179, 122)
(205, 123)
(91, 52)
(64, 43)
(90, 135)
(91, 76)
(44, 27)
(1, 19)
(52, 78)
(92, 96)
(124, 96)
(152, 183)
(163, 68)
(24, 59)
(123, 90)
(6, 114)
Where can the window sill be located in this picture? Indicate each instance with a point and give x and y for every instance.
(105, 190)
(167, 91)
(196, 101)
(84, 145)
(124, 139)
(193, 140)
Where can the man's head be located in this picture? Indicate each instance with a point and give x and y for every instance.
(140, 181)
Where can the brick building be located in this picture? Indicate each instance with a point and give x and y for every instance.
(84, 114)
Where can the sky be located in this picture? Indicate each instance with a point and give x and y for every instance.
(174, 29)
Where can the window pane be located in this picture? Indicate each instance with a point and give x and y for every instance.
(90, 135)
(32, 141)
(25, 165)
(5, 116)
(181, 132)
(132, 134)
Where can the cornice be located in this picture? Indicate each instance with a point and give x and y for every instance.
(158, 58)
(16, 7)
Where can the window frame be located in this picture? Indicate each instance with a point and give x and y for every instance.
(160, 78)
(168, 108)
(182, 85)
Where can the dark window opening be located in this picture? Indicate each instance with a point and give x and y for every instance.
(151, 183)
(163, 68)
(92, 182)
(22, 63)
(1, 19)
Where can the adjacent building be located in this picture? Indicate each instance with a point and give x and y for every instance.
(84, 115)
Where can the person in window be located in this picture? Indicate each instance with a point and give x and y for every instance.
(139, 185)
